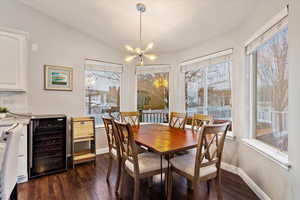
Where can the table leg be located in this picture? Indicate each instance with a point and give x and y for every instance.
(161, 174)
(167, 178)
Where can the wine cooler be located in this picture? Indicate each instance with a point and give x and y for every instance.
(47, 145)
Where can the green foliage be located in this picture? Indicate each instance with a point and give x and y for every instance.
(3, 110)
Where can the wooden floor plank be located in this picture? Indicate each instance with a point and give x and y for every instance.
(88, 182)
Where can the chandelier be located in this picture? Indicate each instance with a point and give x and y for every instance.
(138, 53)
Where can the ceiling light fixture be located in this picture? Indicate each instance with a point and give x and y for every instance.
(139, 53)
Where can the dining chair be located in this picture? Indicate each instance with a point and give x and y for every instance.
(221, 121)
(133, 118)
(113, 148)
(206, 164)
(199, 120)
(8, 169)
(138, 166)
(177, 120)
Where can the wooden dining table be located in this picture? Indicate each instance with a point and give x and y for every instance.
(164, 140)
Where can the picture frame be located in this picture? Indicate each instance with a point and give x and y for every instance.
(58, 78)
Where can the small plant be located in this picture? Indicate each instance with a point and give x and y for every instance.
(3, 110)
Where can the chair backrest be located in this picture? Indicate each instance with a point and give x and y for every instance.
(220, 121)
(110, 133)
(199, 120)
(210, 146)
(133, 118)
(128, 146)
(9, 169)
(177, 120)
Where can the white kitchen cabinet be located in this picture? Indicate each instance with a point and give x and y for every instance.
(13, 60)
(22, 153)
(22, 156)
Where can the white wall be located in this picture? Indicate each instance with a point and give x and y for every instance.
(294, 99)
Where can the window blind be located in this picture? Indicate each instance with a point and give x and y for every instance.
(276, 24)
(152, 69)
(204, 61)
(103, 66)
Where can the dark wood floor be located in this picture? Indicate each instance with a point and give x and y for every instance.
(89, 182)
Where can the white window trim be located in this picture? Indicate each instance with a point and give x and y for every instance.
(207, 57)
(98, 65)
(91, 64)
(152, 69)
(272, 22)
(267, 150)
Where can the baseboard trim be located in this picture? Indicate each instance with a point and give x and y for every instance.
(231, 168)
(102, 151)
(253, 186)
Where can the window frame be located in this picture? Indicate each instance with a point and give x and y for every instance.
(267, 150)
(102, 66)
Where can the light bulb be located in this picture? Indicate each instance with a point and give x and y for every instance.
(129, 48)
(149, 46)
(151, 56)
(130, 58)
(138, 50)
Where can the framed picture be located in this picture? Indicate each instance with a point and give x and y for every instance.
(58, 78)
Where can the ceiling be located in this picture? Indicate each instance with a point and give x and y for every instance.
(172, 25)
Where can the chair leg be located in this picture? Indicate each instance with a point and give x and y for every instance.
(136, 188)
(109, 168)
(208, 184)
(189, 184)
(122, 183)
(170, 185)
(195, 189)
(219, 187)
(166, 181)
(150, 182)
(118, 176)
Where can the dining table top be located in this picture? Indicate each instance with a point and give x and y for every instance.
(164, 139)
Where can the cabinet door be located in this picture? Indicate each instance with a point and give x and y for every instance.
(22, 169)
(22, 156)
(13, 61)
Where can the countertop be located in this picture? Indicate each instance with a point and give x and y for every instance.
(11, 120)
(25, 118)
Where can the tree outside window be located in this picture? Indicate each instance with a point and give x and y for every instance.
(102, 94)
(153, 96)
(272, 91)
(208, 91)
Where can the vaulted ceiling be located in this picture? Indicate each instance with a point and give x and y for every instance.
(172, 25)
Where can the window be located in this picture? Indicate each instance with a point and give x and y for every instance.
(102, 96)
(208, 87)
(153, 94)
(268, 60)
